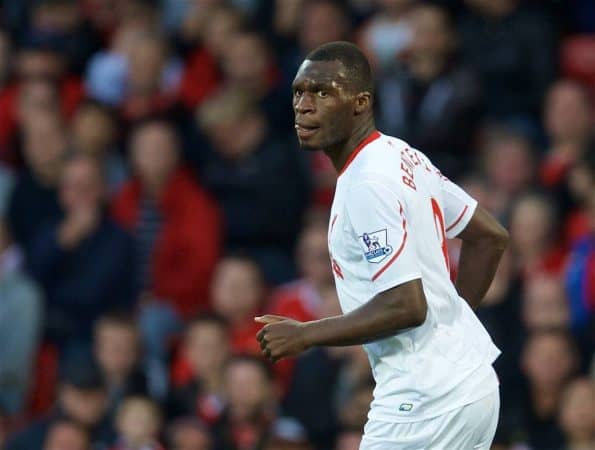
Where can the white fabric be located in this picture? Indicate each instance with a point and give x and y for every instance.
(387, 227)
(471, 427)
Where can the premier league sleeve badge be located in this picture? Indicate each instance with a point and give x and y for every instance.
(375, 245)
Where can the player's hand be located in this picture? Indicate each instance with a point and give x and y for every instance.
(281, 337)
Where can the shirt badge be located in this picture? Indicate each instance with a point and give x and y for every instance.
(376, 247)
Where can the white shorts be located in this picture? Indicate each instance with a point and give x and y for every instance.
(471, 427)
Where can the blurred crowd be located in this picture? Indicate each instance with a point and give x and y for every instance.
(153, 201)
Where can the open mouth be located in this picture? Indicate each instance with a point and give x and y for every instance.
(305, 131)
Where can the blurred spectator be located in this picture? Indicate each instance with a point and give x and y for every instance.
(568, 119)
(6, 48)
(577, 414)
(529, 414)
(189, 434)
(194, 16)
(521, 48)
(139, 75)
(60, 24)
(34, 200)
(152, 78)
(84, 261)
(302, 299)
(545, 304)
(19, 108)
(45, 61)
(248, 65)
(81, 398)
(533, 240)
(318, 22)
(508, 164)
(6, 186)
(94, 132)
(36, 95)
(500, 307)
(220, 70)
(287, 434)
(107, 15)
(431, 100)
(260, 181)
(349, 440)
(251, 405)
(205, 350)
(388, 33)
(138, 422)
(202, 75)
(67, 435)
(117, 349)
(177, 232)
(580, 275)
(238, 295)
(313, 381)
(105, 78)
(21, 304)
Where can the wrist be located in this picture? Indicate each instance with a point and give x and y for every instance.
(309, 334)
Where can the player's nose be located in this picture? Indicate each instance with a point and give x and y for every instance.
(304, 104)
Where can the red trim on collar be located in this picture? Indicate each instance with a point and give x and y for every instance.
(371, 138)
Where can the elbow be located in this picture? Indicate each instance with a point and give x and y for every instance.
(500, 238)
(419, 311)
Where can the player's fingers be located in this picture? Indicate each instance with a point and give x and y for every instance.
(270, 318)
(261, 334)
(263, 344)
(267, 352)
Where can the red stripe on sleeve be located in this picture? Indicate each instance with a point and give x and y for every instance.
(458, 218)
(396, 255)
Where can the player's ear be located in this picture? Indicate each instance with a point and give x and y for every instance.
(363, 102)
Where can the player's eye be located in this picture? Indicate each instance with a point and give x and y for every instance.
(297, 92)
(322, 94)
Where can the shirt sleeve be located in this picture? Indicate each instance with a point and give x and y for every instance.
(458, 208)
(387, 253)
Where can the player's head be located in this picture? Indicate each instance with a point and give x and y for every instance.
(332, 94)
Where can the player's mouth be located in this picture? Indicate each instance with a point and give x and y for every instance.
(305, 131)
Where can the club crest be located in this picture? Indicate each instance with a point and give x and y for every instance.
(376, 247)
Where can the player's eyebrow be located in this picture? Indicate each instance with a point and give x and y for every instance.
(317, 85)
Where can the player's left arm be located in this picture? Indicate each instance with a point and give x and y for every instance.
(389, 312)
(484, 242)
(375, 210)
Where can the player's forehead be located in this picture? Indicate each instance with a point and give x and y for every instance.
(321, 73)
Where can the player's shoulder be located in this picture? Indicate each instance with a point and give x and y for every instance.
(380, 156)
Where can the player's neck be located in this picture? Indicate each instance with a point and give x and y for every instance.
(341, 153)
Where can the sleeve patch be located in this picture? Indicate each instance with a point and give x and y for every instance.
(375, 245)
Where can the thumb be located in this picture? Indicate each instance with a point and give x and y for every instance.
(270, 318)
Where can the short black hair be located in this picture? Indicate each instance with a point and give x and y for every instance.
(354, 60)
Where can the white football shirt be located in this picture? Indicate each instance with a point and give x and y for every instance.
(391, 215)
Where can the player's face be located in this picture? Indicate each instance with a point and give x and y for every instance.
(323, 105)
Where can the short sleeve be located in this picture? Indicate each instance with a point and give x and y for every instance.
(458, 208)
(387, 251)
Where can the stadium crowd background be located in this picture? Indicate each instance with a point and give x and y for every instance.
(153, 201)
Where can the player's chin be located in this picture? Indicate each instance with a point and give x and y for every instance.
(309, 145)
